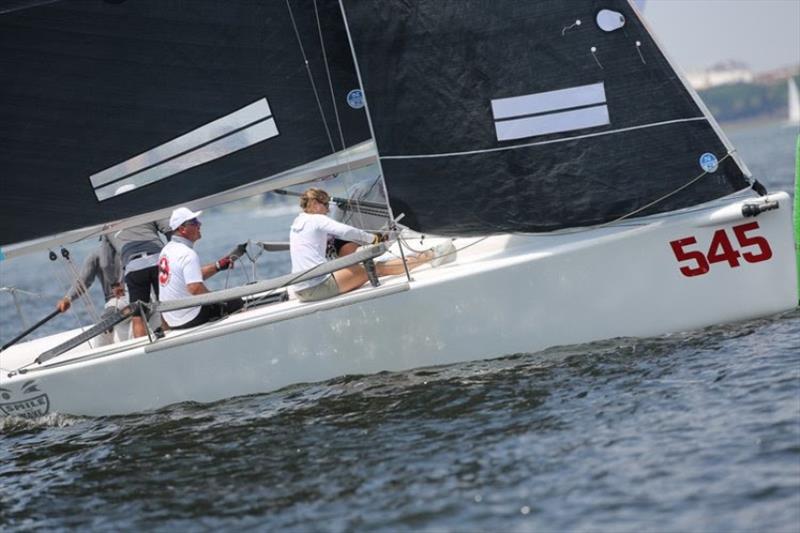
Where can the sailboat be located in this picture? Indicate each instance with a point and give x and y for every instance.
(587, 189)
(794, 103)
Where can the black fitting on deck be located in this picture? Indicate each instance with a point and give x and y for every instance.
(759, 188)
(753, 210)
(372, 274)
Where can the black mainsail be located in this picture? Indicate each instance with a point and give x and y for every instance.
(488, 116)
(182, 98)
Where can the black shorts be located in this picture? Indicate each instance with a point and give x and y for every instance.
(140, 282)
(210, 312)
(333, 249)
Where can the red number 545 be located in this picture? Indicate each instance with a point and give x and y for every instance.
(721, 250)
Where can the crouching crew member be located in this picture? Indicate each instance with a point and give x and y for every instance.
(139, 248)
(180, 274)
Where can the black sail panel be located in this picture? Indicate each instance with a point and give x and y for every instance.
(495, 116)
(184, 98)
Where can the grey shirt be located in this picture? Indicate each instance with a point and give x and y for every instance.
(103, 264)
(142, 239)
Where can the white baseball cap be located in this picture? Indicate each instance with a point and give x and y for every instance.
(181, 215)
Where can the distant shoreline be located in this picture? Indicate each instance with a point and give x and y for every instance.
(751, 122)
(748, 102)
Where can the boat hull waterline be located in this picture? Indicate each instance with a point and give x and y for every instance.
(503, 295)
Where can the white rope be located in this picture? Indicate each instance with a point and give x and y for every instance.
(84, 296)
(64, 279)
(542, 143)
(661, 199)
(630, 214)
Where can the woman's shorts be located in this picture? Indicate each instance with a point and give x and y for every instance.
(321, 291)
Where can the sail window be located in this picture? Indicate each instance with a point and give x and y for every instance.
(245, 127)
(608, 20)
(550, 112)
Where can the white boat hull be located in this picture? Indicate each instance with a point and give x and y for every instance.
(504, 294)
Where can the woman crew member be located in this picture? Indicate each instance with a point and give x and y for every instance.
(308, 241)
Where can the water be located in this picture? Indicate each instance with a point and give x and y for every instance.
(695, 431)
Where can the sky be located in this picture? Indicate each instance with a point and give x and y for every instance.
(764, 34)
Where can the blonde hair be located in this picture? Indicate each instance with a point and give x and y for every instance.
(313, 194)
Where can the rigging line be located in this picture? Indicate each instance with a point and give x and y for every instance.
(676, 191)
(28, 5)
(635, 211)
(330, 80)
(151, 305)
(82, 289)
(63, 278)
(391, 217)
(292, 281)
(404, 242)
(542, 143)
(333, 100)
(311, 77)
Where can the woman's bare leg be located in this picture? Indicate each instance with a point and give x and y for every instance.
(350, 278)
(139, 329)
(395, 266)
(355, 276)
(347, 249)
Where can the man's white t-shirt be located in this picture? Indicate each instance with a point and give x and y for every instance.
(308, 240)
(178, 265)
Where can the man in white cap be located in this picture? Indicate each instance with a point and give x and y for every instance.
(180, 274)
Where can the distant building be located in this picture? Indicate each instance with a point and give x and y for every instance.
(721, 74)
(778, 74)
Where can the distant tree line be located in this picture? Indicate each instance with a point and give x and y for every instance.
(744, 101)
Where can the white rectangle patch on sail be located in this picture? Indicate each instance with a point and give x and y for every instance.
(556, 111)
(576, 119)
(534, 104)
(243, 128)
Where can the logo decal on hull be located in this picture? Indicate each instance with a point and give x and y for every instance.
(30, 402)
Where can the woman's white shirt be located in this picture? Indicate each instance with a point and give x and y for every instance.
(308, 240)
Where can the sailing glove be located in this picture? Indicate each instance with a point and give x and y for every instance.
(379, 237)
(63, 304)
(224, 264)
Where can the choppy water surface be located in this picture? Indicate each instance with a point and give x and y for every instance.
(695, 431)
